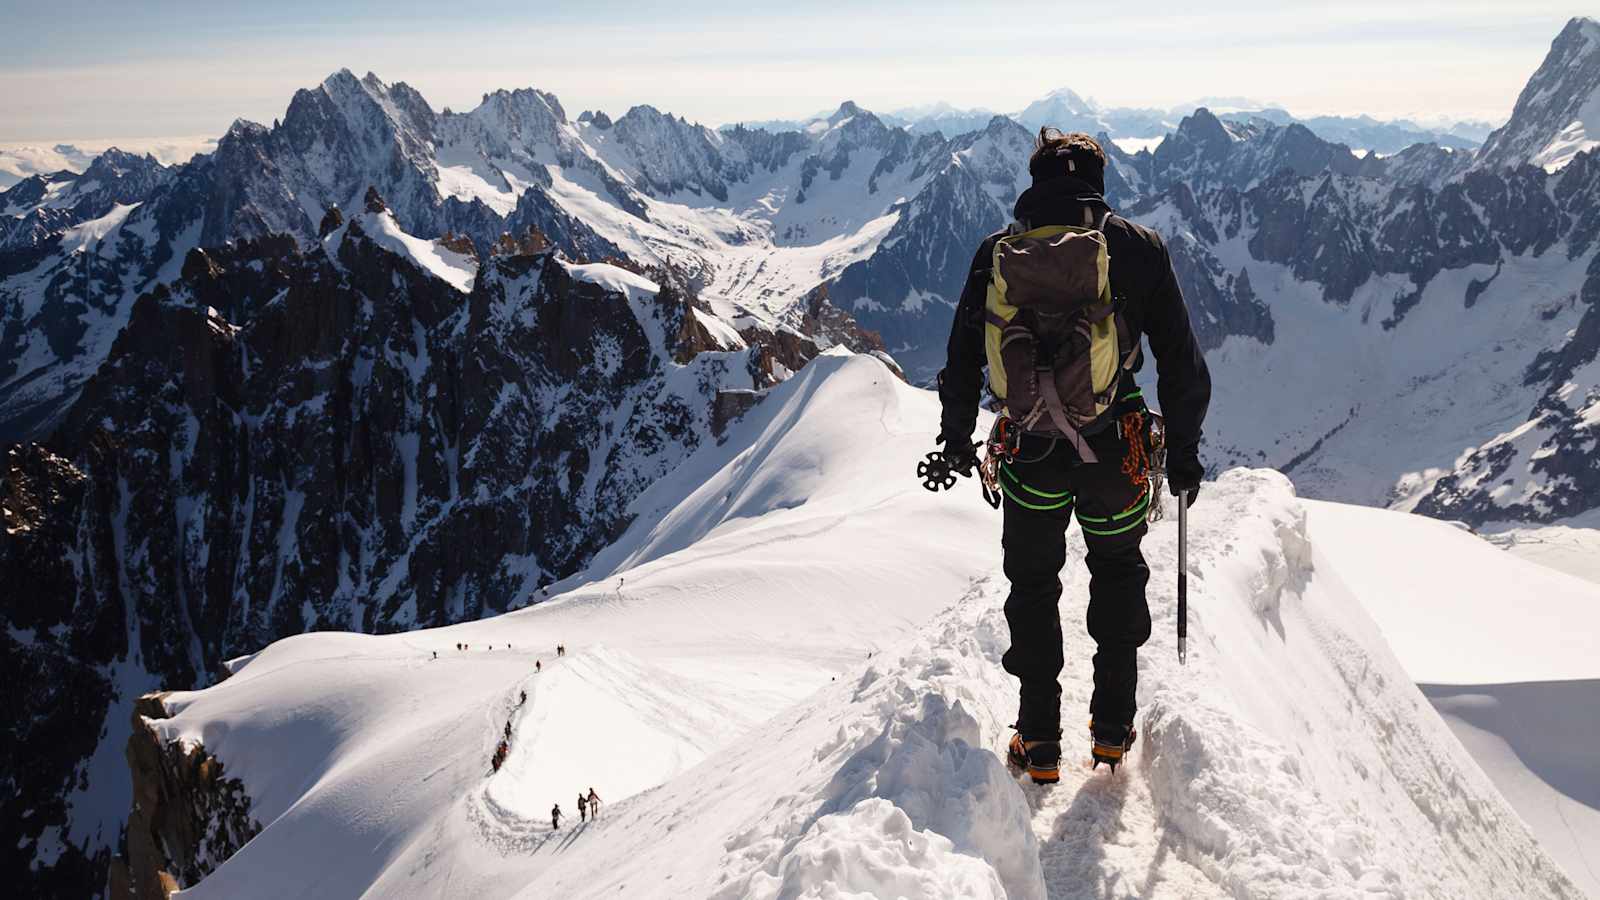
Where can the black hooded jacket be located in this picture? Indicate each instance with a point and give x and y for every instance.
(1144, 287)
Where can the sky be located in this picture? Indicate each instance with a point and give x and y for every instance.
(135, 69)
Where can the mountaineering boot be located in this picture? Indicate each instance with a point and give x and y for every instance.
(1110, 744)
(1040, 759)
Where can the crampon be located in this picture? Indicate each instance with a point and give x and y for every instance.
(1110, 744)
(1040, 759)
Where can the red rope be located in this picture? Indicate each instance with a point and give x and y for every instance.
(1136, 464)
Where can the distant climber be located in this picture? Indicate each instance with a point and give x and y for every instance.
(435, 654)
(1055, 306)
(537, 668)
(583, 805)
(524, 698)
(594, 804)
(555, 817)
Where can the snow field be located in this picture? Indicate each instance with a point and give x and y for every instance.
(1508, 652)
(722, 643)
(1443, 606)
(1572, 546)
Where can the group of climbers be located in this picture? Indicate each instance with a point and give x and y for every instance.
(588, 808)
(588, 803)
(504, 747)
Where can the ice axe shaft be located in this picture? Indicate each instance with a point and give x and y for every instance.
(1183, 577)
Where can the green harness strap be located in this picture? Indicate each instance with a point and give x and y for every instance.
(1065, 498)
(1136, 512)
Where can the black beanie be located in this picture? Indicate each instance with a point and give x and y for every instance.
(1078, 162)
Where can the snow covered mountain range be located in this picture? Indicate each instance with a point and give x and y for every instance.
(1064, 108)
(378, 367)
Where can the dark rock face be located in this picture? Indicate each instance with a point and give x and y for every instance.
(52, 645)
(674, 156)
(767, 150)
(1220, 303)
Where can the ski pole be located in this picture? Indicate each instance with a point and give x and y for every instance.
(1183, 577)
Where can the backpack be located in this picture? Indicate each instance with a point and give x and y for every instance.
(1055, 340)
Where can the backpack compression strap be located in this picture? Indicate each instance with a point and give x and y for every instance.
(1051, 398)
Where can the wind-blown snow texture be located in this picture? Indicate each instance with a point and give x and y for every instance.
(1292, 757)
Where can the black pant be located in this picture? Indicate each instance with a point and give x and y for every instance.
(1042, 489)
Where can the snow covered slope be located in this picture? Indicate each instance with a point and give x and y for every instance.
(718, 693)
(1507, 650)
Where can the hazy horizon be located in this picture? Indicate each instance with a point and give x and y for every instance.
(113, 73)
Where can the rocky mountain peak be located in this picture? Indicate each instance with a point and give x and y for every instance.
(847, 110)
(359, 99)
(1000, 125)
(1203, 127)
(244, 129)
(1557, 115)
(115, 161)
(523, 109)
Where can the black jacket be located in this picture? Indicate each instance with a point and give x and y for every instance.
(1144, 286)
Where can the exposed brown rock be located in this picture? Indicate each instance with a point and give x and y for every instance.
(187, 817)
(532, 241)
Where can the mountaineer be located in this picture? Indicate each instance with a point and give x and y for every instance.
(1055, 307)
